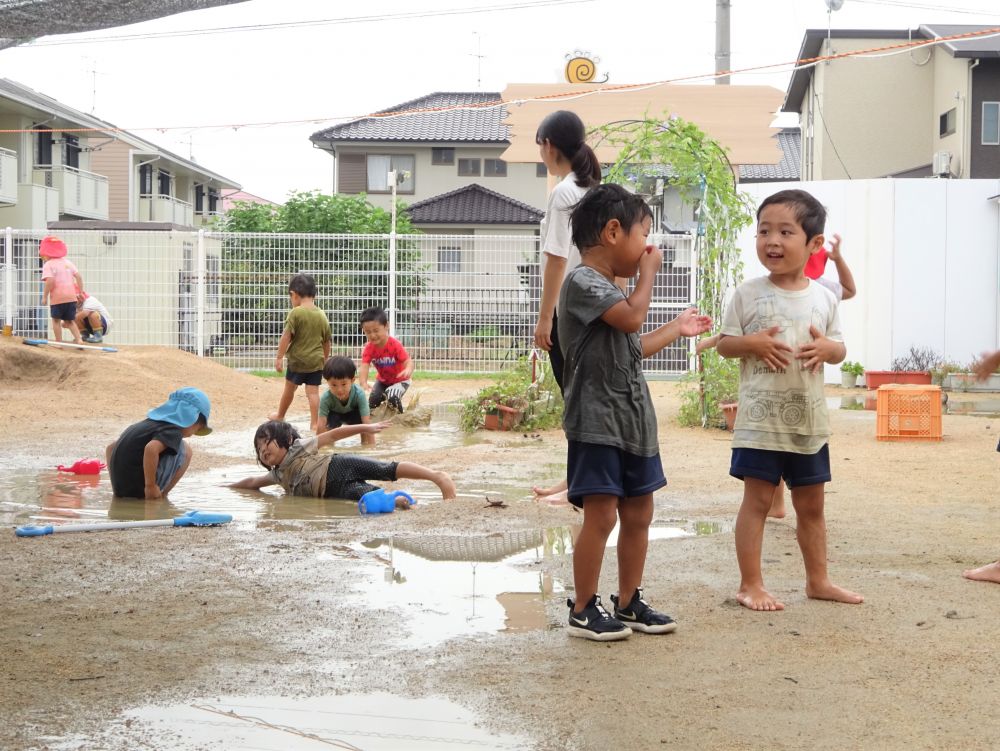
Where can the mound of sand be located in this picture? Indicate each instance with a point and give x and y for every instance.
(53, 388)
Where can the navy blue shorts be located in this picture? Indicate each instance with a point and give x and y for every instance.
(336, 419)
(64, 311)
(595, 469)
(88, 327)
(771, 466)
(315, 378)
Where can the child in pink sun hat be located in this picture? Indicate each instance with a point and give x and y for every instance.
(61, 280)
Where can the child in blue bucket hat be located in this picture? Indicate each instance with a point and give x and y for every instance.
(151, 456)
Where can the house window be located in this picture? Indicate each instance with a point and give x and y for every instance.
(146, 180)
(991, 124)
(43, 147)
(213, 201)
(213, 279)
(494, 168)
(71, 150)
(541, 170)
(379, 166)
(449, 260)
(163, 182)
(199, 198)
(946, 123)
(442, 156)
(468, 167)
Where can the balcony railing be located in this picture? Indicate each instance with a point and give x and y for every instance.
(81, 193)
(8, 176)
(165, 209)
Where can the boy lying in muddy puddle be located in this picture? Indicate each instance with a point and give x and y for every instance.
(295, 465)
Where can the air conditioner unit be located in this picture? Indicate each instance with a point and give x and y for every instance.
(941, 164)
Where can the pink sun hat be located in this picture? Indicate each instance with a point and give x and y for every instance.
(52, 247)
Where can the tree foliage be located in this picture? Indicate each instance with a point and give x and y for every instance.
(697, 167)
(349, 256)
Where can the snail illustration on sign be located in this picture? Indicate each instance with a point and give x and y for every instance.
(581, 68)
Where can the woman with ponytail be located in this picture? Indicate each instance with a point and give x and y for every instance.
(565, 153)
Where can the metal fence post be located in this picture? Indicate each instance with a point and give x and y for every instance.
(392, 279)
(200, 296)
(8, 277)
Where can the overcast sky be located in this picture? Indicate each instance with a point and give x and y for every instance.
(339, 70)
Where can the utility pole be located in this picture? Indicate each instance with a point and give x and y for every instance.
(722, 63)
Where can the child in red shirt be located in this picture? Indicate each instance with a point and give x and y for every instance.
(61, 283)
(393, 365)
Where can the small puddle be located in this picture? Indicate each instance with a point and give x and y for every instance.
(374, 722)
(452, 586)
(979, 408)
(852, 402)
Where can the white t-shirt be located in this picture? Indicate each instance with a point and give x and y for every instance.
(556, 234)
(92, 303)
(835, 287)
(783, 410)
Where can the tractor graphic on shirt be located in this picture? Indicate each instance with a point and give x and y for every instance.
(790, 406)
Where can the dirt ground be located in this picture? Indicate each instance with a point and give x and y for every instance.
(91, 625)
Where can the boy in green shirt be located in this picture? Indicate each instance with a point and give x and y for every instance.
(306, 342)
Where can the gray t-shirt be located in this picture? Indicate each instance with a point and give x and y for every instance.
(607, 400)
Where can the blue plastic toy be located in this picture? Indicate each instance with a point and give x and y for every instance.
(189, 519)
(381, 501)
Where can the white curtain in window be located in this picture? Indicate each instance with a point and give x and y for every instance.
(991, 123)
(378, 172)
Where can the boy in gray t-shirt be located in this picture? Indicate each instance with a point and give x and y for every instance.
(613, 462)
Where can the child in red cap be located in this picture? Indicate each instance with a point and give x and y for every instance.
(62, 280)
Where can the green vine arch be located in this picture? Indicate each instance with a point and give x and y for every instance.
(699, 169)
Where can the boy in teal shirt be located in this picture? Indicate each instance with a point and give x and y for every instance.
(345, 403)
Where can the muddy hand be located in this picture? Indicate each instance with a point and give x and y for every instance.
(815, 353)
(774, 353)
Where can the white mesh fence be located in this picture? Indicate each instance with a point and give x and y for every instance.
(456, 302)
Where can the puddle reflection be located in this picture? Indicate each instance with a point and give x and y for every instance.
(374, 722)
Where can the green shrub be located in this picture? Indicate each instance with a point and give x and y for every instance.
(541, 402)
(720, 382)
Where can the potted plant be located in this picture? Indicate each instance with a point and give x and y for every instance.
(503, 411)
(849, 372)
(714, 401)
(914, 367)
(522, 397)
(964, 379)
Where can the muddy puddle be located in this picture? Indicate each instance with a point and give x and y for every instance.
(34, 492)
(374, 722)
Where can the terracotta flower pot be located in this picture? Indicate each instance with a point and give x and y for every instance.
(503, 418)
(729, 412)
(876, 378)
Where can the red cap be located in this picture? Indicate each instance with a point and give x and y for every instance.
(816, 264)
(52, 247)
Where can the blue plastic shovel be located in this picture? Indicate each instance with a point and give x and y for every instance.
(190, 519)
(74, 345)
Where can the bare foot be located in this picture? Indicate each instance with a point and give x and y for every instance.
(448, 490)
(777, 510)
(559, 487)
(758, 598)
(987, 573)
(560, 498)
(830, 591)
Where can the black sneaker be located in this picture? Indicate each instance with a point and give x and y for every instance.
(595, 623)
(639, 616)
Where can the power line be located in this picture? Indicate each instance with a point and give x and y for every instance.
(375, 18)
(926, 6)
(870, 53)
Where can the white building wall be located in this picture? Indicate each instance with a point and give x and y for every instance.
(925, 255)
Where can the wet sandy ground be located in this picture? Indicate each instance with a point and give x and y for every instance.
(93, 626)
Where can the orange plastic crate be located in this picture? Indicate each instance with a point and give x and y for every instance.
(908, 413)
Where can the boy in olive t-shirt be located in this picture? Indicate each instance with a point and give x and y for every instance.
(306, 342)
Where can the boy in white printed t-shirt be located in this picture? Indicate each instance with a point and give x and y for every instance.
(784, 327)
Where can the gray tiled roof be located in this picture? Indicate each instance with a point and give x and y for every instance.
(473, 204)
(477, 125)
(985, 46)
(790, 166)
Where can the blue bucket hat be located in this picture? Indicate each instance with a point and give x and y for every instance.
(183, 407)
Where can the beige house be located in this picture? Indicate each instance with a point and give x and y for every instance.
(436, 152)
(927, 111)
(64, 165)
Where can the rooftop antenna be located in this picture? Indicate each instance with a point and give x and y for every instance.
(479, 60)
(831, 6)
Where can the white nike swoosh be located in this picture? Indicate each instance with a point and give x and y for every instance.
(578, 621)
(622, 617)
